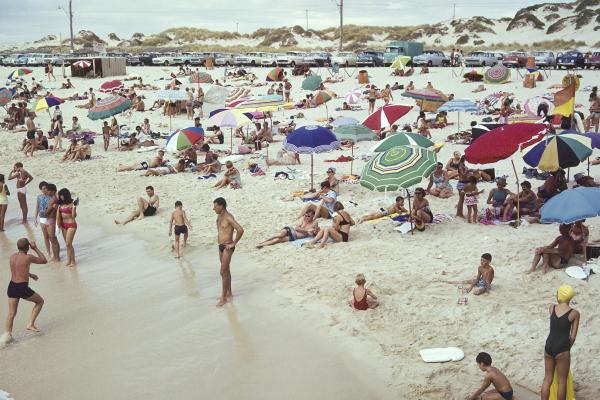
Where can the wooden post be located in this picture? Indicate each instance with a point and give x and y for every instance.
(518, 201)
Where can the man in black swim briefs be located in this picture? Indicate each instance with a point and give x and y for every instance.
(145, 208)
(18, 288)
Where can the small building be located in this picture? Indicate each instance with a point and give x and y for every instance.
(101, 67)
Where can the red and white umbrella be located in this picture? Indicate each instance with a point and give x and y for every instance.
(353, 96)
(112, 86)
(82, 64)
(386, 116)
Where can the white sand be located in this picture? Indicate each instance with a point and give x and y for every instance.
(407, 272)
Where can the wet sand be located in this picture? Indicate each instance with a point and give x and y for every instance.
(130, 323)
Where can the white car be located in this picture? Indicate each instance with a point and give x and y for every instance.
(37, 59)
(545, 59)
(169, 59)
(253, 58)
(225, 59)
(431, 58)
(481, 59)
(345, 58)
(292, 58)
(270, 60)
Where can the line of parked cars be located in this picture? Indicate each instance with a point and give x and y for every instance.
(368, 58)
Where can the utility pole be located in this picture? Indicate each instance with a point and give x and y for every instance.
(341, 5)
(237, 27)
(306, 19)
(453, 11)
(70, 15)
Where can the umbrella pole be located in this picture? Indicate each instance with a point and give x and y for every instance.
(458, 121)
(412, 230)
(352, 161)
(518, 201)
(312, 189)
(231, 141)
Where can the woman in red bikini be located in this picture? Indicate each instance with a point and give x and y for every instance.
(65, 218)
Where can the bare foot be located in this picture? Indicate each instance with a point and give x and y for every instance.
(221, 302)
(260, 246)
(117, 222)
(70, 265)
(6, 338)
(460, 216)
(32, 328)
(310, 245)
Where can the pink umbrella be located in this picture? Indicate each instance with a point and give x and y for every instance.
(353, 96)
(386, 116)
(112, 86)
(531, 105)
(82, 64)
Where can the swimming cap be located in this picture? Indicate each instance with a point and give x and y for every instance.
(565, 293)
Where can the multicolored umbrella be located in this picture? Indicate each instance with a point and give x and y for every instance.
(398, 167)
(83, 64)
(595, 137)
(354, 96)
(45, 103)
(112, 86)
(228, 118)
(400, 62)
(354, 133)
(386, 116)
(309, 140)
(259, 103)
(19, 72)
(572, 205)
(426, 94)
(312, 82)
(201, 77)
(109, 106)
(275, 75)
(501, 143)
(459, 106)
(559, 151)
(402, 139)
(497, 74)
(531, 105)
(481, 129)
(321, 97)
(184, 138)
(6, 96)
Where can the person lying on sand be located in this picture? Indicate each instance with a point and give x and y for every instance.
(325, 208)
(396, 208)
(145, 208)
(285, 157)
(557, 253)
(339, 231)
(503, 390)
(306, 227)
(154, 163)
(166, 169)
(132, 143)
(484, 278)
(360, 295)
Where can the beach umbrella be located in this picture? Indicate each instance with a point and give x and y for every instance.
(354, 96)
(228, 118)
(386, 116)
(595, 137)
(201, 77)
(6, 96)
(274, 75)
(45, 103)
(311, 139)
(216, 94)
(112, 86)
(171, 95)
(402, 139)
(321, 97)
(459, 106)
(531, 105)
(259, 103)
(426, 94)
(481, 129)
(559, 151)
(572, 205)
(83, 64)
(184, 138)
(353, 133)
(341, 121)
(19, 72)
(109, 106)
(175, 82)
(400, 62)
(492, 98)
(312, 82)
(497, 74)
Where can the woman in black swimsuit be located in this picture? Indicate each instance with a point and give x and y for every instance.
(564, 322)
(340, 229)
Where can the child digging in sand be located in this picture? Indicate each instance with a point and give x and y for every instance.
(503, 390)
(485, 276)
(360, 293)
(181, 222)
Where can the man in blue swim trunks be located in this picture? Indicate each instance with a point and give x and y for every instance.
(18, 288)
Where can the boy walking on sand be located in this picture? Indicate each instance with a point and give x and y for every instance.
(503, 390)
(485, 276)
(181, 222)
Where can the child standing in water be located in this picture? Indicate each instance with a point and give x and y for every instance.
(360, 294)
(471, 193)
(181, 222)
(503, 390)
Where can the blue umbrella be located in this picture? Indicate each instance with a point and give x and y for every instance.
(459, 106)
(309, 140)
(572, 205)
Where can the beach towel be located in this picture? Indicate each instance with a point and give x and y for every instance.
(378, 220)
(311, 199)
(301, 242)
(341, 159)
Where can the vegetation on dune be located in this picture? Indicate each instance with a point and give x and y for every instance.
(470, 26)
(525, 19)
(584, 4)
(552, 17)
(113, 36)
(597, 44)
(188, 34)
(464, 39)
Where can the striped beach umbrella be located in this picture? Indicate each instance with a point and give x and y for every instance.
(354, 96)
(531, 105)
(230, 118)
(19, 72)
(459, 106)
(386, 116)
(312, 82)
(559, 151)
(321, 97)
(398, 167)
(109, 106)
(112, 86)
(402, 139)
(201, 77)
(45, 103)
(274, 75)
(426, 94)
(83, 64)
(497, 74)
(400, 62)
(6, 96)
(184, 138)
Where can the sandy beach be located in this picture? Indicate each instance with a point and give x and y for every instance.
(130, 321)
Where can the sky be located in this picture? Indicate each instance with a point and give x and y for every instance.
(28, 20)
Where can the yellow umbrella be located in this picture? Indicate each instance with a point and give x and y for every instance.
(400, 62)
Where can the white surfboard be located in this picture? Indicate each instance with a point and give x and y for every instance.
(576, 272)
(145, 149)
(442, 354)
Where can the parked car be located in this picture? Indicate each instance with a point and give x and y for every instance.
(269, 60)
(570, 59)
(544, 59)
(499, 55)
(22, 60)
(592, 60)
(147, 57)
(133, 59)
(2, 58)
(370, 58)
(321, 58)
(253, 58)
(37, 59)
(225, 59)
(516, 59)
(292, 58)
(344, 58)
(196, 59)
(480, 59)
(169, 59)
(432, 58)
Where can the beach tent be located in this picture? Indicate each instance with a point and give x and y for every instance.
(102, 67)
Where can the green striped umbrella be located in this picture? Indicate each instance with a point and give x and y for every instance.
(402, 139)
(398, 167)
(353, 133)
(312, 82)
